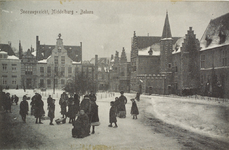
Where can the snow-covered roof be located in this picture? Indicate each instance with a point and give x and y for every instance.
(166, 39)
(177, 46)
(13, 57)
(44, 61)
(3, 52)
(75, 63)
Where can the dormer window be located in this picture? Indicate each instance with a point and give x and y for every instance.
(208, 40)
(222, 37)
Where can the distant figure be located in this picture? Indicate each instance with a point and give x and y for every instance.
(24, 108)
(8, 102)
(32, 103)
(49, 100)
(51, 113)
(112, 115)
(16, 99)
(137, 97)
(92, 96)
(80, 126)
(116, 104)
(71, 109)
(134, 109)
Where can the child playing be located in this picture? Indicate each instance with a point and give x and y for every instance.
(112, 115)
(134, 109)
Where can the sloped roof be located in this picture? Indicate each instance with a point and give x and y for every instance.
(216, 27)
(7, 48)
(177, 46)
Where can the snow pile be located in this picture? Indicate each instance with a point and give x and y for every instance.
(201, 116)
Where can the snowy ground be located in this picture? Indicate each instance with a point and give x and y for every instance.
(209, 118)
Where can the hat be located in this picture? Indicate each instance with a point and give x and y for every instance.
(121, 92)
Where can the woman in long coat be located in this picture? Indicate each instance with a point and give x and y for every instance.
(63, 103)
(39, 110)
(122, 107)
(71, 110)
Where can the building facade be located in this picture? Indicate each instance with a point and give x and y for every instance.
(58, 69)
(10, 71)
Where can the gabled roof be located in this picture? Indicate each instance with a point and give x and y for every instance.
(7, 48)
(216, 33)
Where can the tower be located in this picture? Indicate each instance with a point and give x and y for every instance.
(20, 50)
(166, 45)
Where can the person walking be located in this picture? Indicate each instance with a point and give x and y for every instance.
(8, 102)
(51, 112)
(76, 103)
(112, 115)
(24, 108)
(134, 109)
(49, 100)
(71, 109)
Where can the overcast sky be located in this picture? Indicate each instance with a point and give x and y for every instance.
(108, 29)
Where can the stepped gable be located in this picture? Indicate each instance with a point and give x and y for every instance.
(216, 33)
(7, 48)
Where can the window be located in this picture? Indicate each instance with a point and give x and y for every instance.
(0, 55)
(201, 79)
(224, 56)
(56, 70)
(62, 59)
(56, 82)
(202, 61)
(41, 69)
(62, 71)
(69, 69)
(14, 67)
(59, 49)
(14, 79)
(41, 82)
(169, 65)
(48, 71)
(4, 66)
(56, 59)
(4, 79)
(49, 82)
(62, 81)
(28, 69)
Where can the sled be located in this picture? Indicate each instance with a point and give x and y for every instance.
(60, 120)
(122, 114)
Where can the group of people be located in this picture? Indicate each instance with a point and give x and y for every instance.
(7, 101)
(118, 109)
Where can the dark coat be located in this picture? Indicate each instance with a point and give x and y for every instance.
(86, 106)
(24, 108)
(82, 123)
(94, 112)
(134, 109)
(71, 109)
(8, 102)
(49, 100)
(122, 102)
(63, 103)
(77, 102)
(38, 107)
(16, 99)
(51, 112)
(112, 117)
(92, 97)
